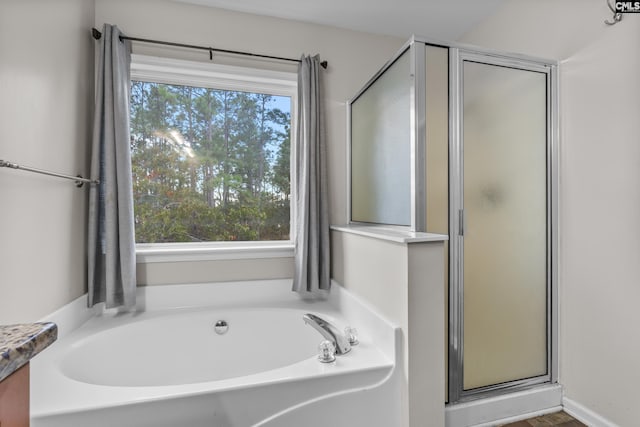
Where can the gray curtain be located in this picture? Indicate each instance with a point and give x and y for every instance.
(312, 256)
(111, 241)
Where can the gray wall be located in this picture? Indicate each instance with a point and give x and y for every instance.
(46, 75)
(46, 98)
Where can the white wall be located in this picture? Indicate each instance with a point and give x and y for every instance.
(403, 282)
(46, 98)
(599, 191)
(353, 58)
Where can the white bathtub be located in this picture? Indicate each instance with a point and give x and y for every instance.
(166, 366)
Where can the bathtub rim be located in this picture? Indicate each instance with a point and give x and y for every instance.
(264, 293)
(76, 313)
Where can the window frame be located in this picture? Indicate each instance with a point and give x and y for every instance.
(223, 77)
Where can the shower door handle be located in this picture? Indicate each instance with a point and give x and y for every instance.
(461, 222)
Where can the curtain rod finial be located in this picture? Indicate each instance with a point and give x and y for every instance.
(96, 34)
(324, 64)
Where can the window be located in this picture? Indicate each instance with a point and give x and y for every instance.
(210, 152)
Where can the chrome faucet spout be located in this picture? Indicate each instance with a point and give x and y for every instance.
(328, 331)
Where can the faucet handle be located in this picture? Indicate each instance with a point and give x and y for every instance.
(352, 335)
(326, 352)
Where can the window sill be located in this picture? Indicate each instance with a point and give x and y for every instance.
(212, 251)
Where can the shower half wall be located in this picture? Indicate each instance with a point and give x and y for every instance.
(462, 141)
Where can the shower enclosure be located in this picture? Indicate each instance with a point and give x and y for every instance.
(462, 141)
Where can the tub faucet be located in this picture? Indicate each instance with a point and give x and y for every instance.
(328, 331)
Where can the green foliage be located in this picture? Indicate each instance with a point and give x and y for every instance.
(209, 165)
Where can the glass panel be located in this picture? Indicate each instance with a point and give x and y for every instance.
(381, 148)
(209, 164)
(437, 152)
(505, 234)
(437, 132)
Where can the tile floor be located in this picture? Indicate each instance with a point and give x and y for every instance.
(558, 419)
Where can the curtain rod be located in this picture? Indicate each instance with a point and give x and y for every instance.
(78, 179)
(97, 34)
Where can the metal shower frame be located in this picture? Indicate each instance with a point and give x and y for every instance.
(416, 47)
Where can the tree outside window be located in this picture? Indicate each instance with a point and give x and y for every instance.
(208, 164)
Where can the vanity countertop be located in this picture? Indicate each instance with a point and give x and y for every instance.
(20, 343)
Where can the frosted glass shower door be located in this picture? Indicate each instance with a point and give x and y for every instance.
(505, 250)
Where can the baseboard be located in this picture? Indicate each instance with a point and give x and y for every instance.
(584, 414)
(505, 408)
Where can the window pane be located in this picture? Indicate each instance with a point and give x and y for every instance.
(208, 164)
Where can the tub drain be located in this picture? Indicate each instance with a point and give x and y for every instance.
(221, 327)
